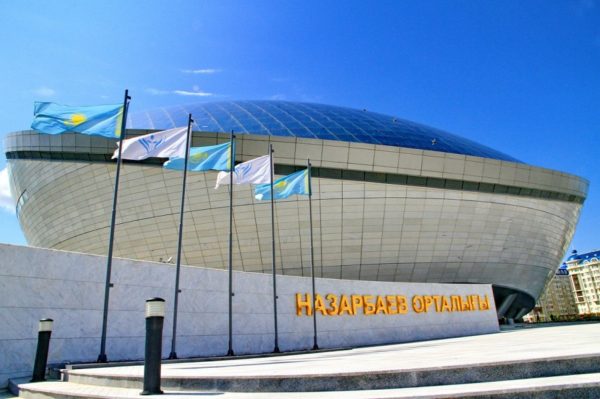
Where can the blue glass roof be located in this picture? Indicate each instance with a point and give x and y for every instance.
(574, 255)
(316, 121)
(586, 256)
(563, 270)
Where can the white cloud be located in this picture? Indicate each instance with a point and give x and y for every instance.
(205, 71)
(6, 200)
(194, 92)
(44, 91)
(278, 97)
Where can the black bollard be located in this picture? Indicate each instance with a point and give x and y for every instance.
(155, 316)
(41, 354)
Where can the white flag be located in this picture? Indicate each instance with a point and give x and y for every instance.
(254, 171)
(165, 144)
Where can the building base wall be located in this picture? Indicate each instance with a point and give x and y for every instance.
(69, 288)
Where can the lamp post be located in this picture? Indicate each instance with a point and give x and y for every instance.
(41, 354)
(155, 316)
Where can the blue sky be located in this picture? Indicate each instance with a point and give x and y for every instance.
(521, 77)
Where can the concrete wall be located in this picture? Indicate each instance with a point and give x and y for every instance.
(68, 287)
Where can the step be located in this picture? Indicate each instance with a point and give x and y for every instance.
(188, 377)
(579, 386)
(6, 394)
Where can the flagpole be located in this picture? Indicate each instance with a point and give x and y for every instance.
(231, 170)
(276, 349)
(173, 354)
(312, 256)
(107, 284)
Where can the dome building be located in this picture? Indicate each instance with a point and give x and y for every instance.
(393, 200)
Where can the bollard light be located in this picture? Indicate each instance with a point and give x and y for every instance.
(45, 325)
(155, 307)
(155, 316)
(41, 353)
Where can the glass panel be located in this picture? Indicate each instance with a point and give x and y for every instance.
(281, 118)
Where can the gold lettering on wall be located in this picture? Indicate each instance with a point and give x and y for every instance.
(369, 305)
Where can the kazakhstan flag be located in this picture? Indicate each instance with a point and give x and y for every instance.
(297, 183)
(214, 157)
(99, 120)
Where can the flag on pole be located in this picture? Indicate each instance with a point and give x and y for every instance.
(214, 157)
(295, 184)
(166, 144)
(98, 120)
(254, 171)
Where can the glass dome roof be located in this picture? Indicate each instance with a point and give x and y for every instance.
(307, 120)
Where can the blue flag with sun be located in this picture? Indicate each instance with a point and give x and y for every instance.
(297, 183)
(214, 157)
(99, 120)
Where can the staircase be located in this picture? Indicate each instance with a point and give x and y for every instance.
(576, 377)
(562, 362)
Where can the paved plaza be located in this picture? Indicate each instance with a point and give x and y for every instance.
(508, 346)
(524, 348)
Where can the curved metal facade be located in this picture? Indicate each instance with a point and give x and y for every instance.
(383, 213)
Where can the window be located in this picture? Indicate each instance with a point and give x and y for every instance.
(21, 201)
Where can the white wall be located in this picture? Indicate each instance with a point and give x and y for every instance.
(69, 288)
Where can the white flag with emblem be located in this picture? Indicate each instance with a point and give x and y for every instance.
(254, 171)
(166, 144)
